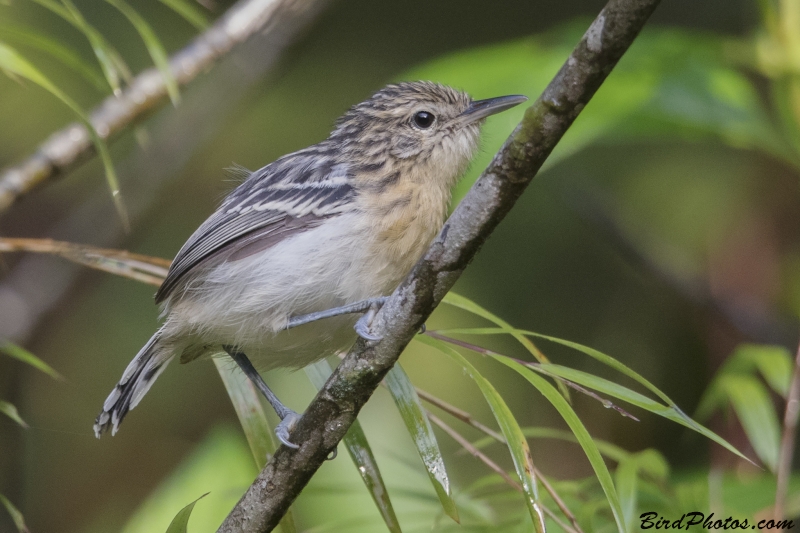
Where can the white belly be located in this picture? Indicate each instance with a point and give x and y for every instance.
(247, 302)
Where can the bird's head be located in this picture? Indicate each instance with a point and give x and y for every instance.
(422, 129)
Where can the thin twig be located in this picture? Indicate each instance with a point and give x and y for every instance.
(144, 268)
(790, 419)
(460, 414)
(71, 146)
(337, 404)
(467, 418)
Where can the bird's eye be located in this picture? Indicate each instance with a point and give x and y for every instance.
(423, 119)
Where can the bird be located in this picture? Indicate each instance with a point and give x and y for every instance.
(278, 272)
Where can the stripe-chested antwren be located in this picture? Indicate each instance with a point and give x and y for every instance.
(276, 273)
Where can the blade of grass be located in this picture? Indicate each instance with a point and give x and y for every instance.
(469, 448)
(250, 411)
(756, 412)
(612, 451)
(516, 442)
(21, 354)
(11, 412)
(466, 304)
(578, 429)
(181, 520)
(16, 516)
(462, 302)
(154, 47)
(492, 436)
(12, 61)
(63, 54)
(419, 427)
(361, 453)
(189, 12)
(591, 352)
(114, 68)
(627, 395)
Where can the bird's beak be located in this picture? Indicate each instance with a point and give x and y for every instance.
(480, 109)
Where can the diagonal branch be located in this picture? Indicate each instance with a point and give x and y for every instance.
(355, 379)
(71, 146)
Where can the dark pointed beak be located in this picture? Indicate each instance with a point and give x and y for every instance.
(480, 109)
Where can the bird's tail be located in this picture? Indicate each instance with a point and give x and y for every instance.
(137, 379)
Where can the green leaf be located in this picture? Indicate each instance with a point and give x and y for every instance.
(419, 427)
(21, 354)
(627, 395)
(456, 300)
(189, 12)
(515, 440)
(773, 362)
(578, 429)
(627, 477)
(12, 61)
(181, 520)
(63, 54)
(247, 404)
(462, 302)
(250, 411)
(11, 412)
(361, 453)
(756, 412)
(154, 47)
(112, 64)
(591, 352)
(16, 516)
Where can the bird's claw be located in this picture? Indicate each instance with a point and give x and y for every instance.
(285, 428)
(363, 328)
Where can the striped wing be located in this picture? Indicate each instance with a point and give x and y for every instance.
(293, 194)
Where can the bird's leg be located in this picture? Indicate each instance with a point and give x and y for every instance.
(288, 417)
(370, 305)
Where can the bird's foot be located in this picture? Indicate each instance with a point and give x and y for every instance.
(285, 428)
(364, 325)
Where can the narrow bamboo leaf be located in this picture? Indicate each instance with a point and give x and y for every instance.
(62, 53)
(419, 427)
(627, 477)
(154, 47)
(361, 453)
(516, 442)
(627, 395)
(114, 68)
(773, 362)
(247, 404)
(21, 354)
(12, 61)
(181, 520)
(466, 304)
(612, 451)
(591, 352)
(189, 12)
(756, 412)
(11, 412)
(578, 429)
(16, 516)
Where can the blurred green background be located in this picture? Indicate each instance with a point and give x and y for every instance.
(663, 246)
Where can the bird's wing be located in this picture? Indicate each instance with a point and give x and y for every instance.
(290, 195)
